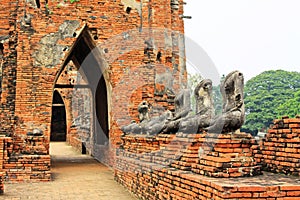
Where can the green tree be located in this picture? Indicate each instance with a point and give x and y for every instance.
(264, 94)
(73, 1)
(290, 107)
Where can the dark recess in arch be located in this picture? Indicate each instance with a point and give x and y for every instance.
(38, 4)
(58, 119)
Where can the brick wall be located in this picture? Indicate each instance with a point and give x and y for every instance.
(152, 181)
(8, 62)
(193, 166)
(216, 155)
(280, 149)
(29, 162)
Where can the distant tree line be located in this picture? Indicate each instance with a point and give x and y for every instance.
(270, 95)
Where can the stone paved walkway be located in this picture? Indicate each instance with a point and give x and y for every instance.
(75, 176)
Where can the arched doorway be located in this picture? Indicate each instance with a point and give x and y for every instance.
(58, 119)
(93, 104)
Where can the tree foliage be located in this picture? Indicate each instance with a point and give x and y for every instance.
(266, 95)
(290, 107)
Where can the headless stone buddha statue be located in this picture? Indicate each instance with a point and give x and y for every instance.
(143, 109)
(233, 114)
(182, 109)
(204, 109)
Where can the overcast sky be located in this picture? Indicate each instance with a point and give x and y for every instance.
(247, 35)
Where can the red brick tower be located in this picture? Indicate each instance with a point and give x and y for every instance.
(123, 52)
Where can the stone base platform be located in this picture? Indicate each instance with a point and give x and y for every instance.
(227, 155)
(152, 181)
(214, 155)
(31, 163)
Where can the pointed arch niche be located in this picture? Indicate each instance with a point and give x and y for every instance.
(87, 96)
(58, 119)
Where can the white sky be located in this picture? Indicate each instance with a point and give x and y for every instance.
(247, 35)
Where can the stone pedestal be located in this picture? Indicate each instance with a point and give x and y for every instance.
(227, 155)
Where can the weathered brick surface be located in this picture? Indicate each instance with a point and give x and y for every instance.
(28, 168)
(280, 150)
(217, 155)
(153, 181)
(193, 166)
(8, 61)
(227, 155)
(28, 162)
